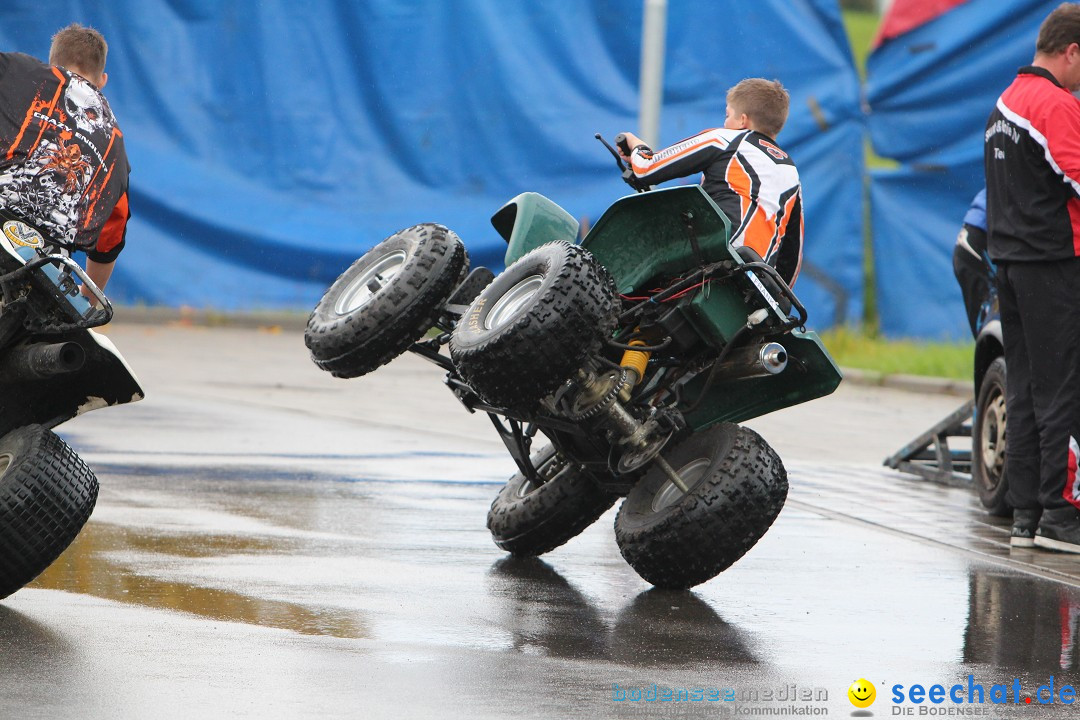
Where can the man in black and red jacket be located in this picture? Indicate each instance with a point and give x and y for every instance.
(1032, 163)
(63, 167)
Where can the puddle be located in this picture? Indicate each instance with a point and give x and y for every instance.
(86, 568)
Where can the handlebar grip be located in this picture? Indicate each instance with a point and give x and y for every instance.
(622, 144)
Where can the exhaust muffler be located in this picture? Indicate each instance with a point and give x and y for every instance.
(42, 360)
(754, 361)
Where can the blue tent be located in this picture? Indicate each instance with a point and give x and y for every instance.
(930, 90)
(273, 142)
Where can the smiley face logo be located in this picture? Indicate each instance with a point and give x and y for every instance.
(861, 693)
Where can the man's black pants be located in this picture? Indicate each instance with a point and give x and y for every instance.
(1040, 323)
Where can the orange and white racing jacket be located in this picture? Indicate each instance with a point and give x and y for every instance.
(752, 180)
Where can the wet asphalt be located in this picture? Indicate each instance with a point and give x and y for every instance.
(272, 542)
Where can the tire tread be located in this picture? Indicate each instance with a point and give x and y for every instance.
(526, 361)
(714, 526)
(46, 496)
(547, 517)
(352, 345)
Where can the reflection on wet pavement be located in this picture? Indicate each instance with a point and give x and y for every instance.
(863, 573)
(542, 613)
(27, 638)
(545, 614)
(1022, 623)
(86, 568)
(278, 544)
(951, 517)
(678, 627)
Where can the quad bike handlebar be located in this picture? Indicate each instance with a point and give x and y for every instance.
(627, 173)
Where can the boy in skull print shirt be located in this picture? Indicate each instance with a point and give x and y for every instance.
(63, 167)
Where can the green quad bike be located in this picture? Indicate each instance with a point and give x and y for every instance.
(634, 352)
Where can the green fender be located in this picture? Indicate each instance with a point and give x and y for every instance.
(531, 220)
(649, 234)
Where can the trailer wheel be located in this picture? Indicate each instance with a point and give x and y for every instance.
(988, 438)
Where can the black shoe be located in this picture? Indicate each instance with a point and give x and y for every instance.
(1059, 529)
(1023, 528)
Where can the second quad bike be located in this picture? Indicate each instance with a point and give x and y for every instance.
(635, 353)
(53, 367)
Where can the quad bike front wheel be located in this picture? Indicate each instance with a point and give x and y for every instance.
(988, 442)
(533, 326)
(46, 496)
(737, 486)
(385, 301)
(529, 519)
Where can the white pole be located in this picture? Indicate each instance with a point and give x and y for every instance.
(653, 32)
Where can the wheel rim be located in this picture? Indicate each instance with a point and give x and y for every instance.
(368, 283)
(993, 440)
(512, 301)
(692, 473)
(547, 471)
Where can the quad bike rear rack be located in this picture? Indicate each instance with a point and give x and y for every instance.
(55, 276)
(929, 455)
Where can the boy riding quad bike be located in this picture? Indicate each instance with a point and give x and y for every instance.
(63, 187)
(52, 368)
(634, 353)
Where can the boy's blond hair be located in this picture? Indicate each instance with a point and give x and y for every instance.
(79, 48)
(765, 103)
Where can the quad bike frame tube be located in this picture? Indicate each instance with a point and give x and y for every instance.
(638, 436)
(672, 474)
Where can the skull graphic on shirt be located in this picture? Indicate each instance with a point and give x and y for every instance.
(85, 106)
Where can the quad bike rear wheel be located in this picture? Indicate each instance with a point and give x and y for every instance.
(46, 496)
(385, 301)
(527, 519)
(737, 487)
(988, 439)
(533, 326)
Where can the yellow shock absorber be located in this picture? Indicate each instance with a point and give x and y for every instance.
(634, 361)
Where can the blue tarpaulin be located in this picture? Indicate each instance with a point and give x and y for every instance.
(930, 91)
(273, 142)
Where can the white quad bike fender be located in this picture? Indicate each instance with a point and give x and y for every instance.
(49, 378)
